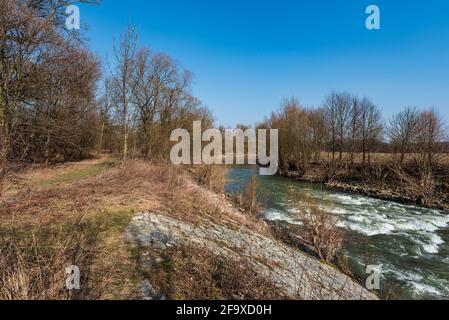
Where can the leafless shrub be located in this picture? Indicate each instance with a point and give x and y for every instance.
(213, 177)
(342, 262)
(319, 230)
(171, 176)
(252, 197)
(380, 173)
(249, 199)
(421, 185)
(329, 170)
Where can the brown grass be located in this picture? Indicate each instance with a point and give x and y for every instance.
(131, 186)
(380, 157)
(249, 199)
(33, 261)
(188, 273)
(212, 177)
(95, 199)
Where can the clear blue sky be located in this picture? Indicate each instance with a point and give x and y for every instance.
(248, 55)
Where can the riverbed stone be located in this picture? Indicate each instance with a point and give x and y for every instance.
(148, 292)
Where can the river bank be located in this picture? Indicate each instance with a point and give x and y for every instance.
(409, 242)
(295, 274)
(149, 232)
(222, 229)
(378, 191)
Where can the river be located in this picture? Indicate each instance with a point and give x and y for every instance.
(410, 244)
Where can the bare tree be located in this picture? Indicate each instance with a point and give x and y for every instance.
(125, 82)
(292, 121)
(104, 108)
(343, 108)
(402, 130)
(330, 107)
(318, 131)
(158, 97)
(36, 59)
(429, 139)
(371, 128)
(355, 125)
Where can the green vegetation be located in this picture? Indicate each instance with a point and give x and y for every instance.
(78, 174)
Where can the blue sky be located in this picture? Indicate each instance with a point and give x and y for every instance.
(248, 55)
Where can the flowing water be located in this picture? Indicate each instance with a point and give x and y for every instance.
(409, 243)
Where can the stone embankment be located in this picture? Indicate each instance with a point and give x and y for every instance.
(297, 274)
(378, 192)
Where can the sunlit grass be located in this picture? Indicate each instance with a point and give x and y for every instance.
(77, 174)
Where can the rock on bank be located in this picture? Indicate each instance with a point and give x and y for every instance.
(297, 274)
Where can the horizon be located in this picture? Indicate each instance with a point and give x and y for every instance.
(243, 70)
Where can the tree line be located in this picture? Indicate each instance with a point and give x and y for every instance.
(145, 97)
(59, 103)
(347, 126)
(47, 85)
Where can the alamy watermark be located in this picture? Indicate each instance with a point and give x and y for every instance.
(372, 22)
(73, 19)
(72, 282)
(190, 150)
(373, 280)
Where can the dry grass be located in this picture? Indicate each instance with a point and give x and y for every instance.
(95, 200)
(380, 157)
(250, 199)
(36, 176)
(121, 188)
(212, 177)
(131, 186)
(34, 259)
(39, 222)
(188, 273)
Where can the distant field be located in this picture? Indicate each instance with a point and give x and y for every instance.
(380, 157)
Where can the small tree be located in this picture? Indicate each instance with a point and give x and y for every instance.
(371, 128)
(402, 130)
(125, 82)
(429, 140)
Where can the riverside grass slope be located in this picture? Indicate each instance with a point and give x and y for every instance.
(139, 230)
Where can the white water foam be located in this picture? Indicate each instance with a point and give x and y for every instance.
(371, 217)
(377, 217)
(418, 283)
(277, 215)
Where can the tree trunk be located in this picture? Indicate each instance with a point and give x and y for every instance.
(125, 141)
(100, 140)
(4, 146)
(47, 148)
(363, 152)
